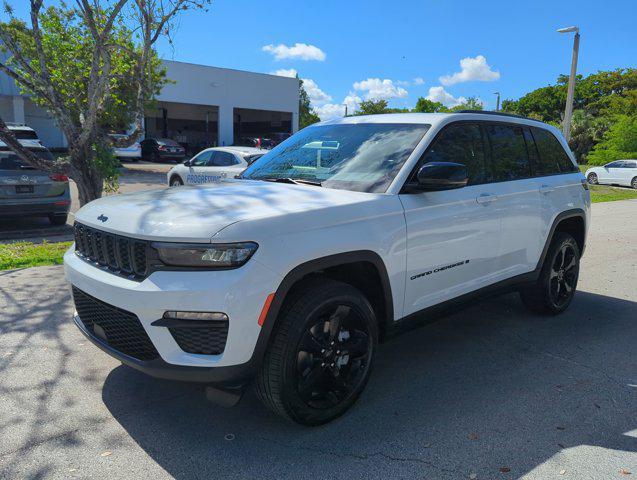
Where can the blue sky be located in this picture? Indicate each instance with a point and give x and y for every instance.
(399, 50)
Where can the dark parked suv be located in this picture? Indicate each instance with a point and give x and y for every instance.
(158, 149)
(25, 191)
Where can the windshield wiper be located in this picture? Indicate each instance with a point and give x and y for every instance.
(292, 180)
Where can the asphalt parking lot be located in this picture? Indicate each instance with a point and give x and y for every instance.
(490, 392)
(135, 176)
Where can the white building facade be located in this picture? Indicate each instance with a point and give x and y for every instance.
(201, 106)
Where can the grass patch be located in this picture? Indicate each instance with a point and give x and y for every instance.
(606, 193)
(28, 254)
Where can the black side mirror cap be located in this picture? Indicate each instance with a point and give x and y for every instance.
(187, 163)
(434, 176)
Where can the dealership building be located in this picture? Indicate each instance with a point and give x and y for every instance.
(201, 106)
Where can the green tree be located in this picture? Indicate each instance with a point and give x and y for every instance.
(307, 116)
(620, 141)
(471, 103)
(586, 130)
(91, 66)
(424, 105)
(372, 107)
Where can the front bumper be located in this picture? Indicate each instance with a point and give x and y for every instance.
(238, 293)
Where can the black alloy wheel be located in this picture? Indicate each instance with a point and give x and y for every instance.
(333, 357)
(563, 276)
(321, 354)
(592, 179)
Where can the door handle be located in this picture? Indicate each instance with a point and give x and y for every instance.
(486, 198)
(546, 189)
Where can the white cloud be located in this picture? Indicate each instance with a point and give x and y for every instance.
(285, 72)
(439, 94)
(317, 96)
(471, 69)
(378, 89)
(334, 110)
(299, 51)
(419, 81)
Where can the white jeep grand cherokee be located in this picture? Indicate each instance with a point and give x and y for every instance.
(342, 234)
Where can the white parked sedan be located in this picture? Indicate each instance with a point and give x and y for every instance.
(133, 152)
(213, 165)
(619, 172)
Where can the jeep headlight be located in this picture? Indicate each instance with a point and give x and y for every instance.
(220, 255)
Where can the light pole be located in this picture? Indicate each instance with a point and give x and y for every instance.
(345, 105)
(497, 102)
(568, 111)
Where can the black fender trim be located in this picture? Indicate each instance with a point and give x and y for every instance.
(575, 212)
(316, 266)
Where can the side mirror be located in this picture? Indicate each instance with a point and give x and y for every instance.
(442, 176)
(188, 163)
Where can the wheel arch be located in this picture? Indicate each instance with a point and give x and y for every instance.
(572, 222)
(176, 175)
(364, 269)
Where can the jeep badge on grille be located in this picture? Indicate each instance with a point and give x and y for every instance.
(102, 218)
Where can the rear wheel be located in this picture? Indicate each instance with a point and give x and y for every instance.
(554, 290)
(633, 183)
(156, 157)
(58, 219)
(592, 179)
(321, 355)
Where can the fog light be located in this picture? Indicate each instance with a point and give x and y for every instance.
(214, 316)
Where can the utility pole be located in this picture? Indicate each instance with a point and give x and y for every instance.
(497, 102)
(568, 110)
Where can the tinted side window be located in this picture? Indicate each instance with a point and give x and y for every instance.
(223, 159)
(201, 159)
(617, 164)
(630, 165)
(461, 143)
(508, 152)
(553, 158)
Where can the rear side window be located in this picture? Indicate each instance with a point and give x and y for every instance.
(25, 134)
(461, 143)
(223, 159)
(508, 152)
(553, 158)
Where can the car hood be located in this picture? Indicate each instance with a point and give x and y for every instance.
(197, 213)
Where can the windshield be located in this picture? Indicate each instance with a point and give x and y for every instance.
(363, 157)
(10, 161)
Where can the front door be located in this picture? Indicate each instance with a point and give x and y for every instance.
(452, 235)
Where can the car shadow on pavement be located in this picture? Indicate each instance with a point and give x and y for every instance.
(491, 387)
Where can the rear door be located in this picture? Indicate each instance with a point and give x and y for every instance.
(226, 164)
(21, 181)
(518, 199)
(452, 235)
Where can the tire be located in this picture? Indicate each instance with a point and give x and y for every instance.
(321, 354)
(176, 181)
(592, 179)
(156, 157)
(58, 219)
(555, 288)
(633, 183)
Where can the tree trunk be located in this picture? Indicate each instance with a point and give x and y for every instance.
(89, 182)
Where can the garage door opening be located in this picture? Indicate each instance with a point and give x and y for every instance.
(195, 127)
(261, 124)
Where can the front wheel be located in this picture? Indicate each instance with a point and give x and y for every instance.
(555, 288)
(592, 179)
(321, 355)
(176, 182)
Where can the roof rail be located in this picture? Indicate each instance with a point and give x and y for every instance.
(16, 124)
(502, 114)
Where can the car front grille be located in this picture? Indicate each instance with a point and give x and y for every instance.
(204, 340)
(124, 256)
(120, 329)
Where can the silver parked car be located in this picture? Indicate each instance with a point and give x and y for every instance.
(26, 192)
